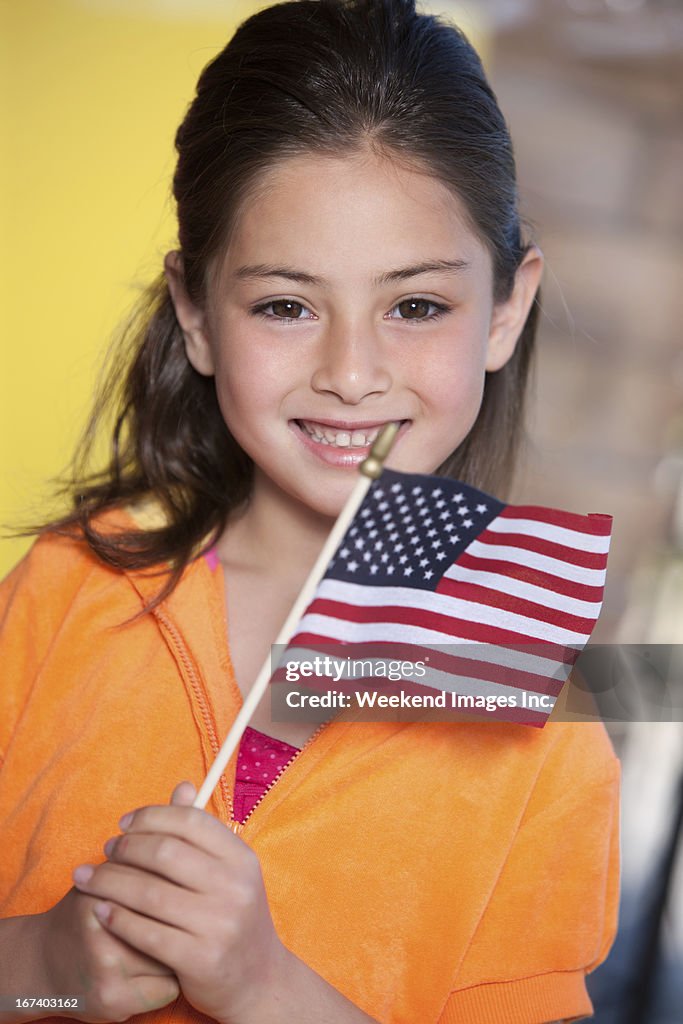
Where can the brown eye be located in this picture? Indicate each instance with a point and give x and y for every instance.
(414, 309)
(287, 308)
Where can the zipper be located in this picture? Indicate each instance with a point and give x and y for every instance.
(238, 826)
(202, 699)
(198, 688)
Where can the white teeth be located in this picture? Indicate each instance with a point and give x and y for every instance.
(339, 438)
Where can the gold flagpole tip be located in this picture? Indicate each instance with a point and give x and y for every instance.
(384, 442)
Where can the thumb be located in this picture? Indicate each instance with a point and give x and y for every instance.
(183, 795)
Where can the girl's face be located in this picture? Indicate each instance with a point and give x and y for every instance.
(353, 293)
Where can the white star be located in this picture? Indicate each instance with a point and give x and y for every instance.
(379, 493)
(454, 540)
(437, 493)
(344, 553)
(383, 506)
(379, 545)
(467, 522)
(365, 512)
(457, 497)
(416, 490)
(373, 569)
(411, 529)
(408, 571)
(360, 543)
(384, 557)
(441, 555)
(390, 570)
(353, 531)
(428, 522)
(431, 533)
(367, 556)
(440, 503)
(482, 508)
(445, 515)
(420, 500)
(428, 575)
(373, 533)
(399, 547)
(419, 551)
(403, 559)
(414, 540)
(396, 488)
(436, 544)
(352, 566)
(423, 562)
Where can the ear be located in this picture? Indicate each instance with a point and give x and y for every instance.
(508, 317)
(191, 318)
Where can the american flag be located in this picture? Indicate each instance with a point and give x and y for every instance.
(497, 599)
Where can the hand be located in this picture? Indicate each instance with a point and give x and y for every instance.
(185, 890)
(78, 956)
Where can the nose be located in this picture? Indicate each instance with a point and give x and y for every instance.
(351, 364)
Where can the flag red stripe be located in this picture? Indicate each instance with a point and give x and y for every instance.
(512, 603)
(580, 591)
(447, 624)
(585, 559)
(594, 523)
(438, 660)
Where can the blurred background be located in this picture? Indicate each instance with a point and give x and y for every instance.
(92, 92)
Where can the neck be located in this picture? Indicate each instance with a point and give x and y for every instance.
(275, 533)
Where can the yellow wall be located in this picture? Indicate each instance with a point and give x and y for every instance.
(92, 92)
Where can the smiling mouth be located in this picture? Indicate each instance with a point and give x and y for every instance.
(342, 437)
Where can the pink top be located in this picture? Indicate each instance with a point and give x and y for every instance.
(260, 759)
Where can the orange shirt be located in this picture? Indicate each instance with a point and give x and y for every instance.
(432, 872)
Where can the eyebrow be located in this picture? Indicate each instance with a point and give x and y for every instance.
(260, 270)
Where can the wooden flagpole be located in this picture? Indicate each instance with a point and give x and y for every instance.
(370, 469)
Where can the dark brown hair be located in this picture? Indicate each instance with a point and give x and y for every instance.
(310, 76)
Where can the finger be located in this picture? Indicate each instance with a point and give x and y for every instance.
(123, 961)
(192, 824)
(141, 892)
(168, 857)
(133, 996)
(113, 953)
(183, 795)
(155, 939)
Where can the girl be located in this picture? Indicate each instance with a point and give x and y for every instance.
(350, 254)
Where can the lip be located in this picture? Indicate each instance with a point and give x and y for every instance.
(349, 458)
(348, 424)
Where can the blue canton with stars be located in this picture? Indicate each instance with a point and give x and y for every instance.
(410, 529)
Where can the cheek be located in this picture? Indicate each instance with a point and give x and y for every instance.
(248, 380)
(453, 384)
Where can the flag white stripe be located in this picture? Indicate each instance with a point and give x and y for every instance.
(432, 680)
(454, 607)
(552, 566)
(527, 591)
(547, 531)
(515, 659)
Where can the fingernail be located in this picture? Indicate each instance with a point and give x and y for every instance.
(102, 912)
(126, 820)
(82, 874)
(109, 846)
